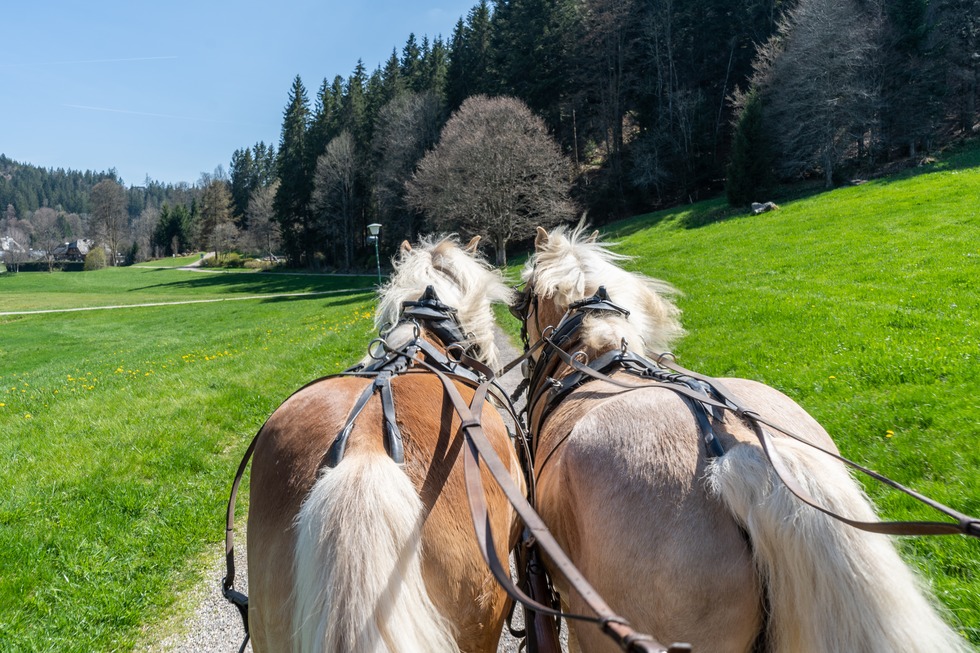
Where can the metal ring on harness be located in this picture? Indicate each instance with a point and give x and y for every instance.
(382, 348)
(455, 353)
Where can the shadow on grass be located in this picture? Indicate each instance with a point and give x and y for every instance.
(250, 282)
(961, 157)
(964, 155)
(689, 216)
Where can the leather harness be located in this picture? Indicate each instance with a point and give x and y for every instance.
(469, 371)
(707, 398)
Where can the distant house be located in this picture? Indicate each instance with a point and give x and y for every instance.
(73, 251)
(78, 249)
(9, 246)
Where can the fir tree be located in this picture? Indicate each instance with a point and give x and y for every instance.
(293, 197)
(750, 168)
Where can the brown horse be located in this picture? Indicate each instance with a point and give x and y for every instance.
(691, 542)
(356, 552)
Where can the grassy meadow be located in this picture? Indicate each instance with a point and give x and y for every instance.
(122, 428)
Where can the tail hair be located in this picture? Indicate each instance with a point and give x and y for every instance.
(831, 587)
(358, 577)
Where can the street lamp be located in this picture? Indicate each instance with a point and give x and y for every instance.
(374, 229)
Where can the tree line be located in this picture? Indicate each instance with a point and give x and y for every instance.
(45, 209)
(650, 102)
(639, 104)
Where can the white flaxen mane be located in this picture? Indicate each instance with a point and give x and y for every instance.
(461, 279)
(568, 266)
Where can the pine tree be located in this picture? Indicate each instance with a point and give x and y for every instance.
(244, 179)
(392, 82)
(293, 197)
(750, 168)
(535, 52)
(353, 106)
(324, 121)
(435, 66)
(470, 69)
(411, 64)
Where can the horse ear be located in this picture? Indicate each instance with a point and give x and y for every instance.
(471, 246)
(541, 239)
(594, 237)
(406, 246)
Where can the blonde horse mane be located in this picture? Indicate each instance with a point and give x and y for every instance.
(461, 278)
(568, 266)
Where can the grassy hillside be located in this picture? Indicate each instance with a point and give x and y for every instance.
(863, 304)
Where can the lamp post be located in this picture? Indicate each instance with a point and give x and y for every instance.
(374, 229)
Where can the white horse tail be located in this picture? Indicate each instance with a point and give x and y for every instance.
(831, 588)
(358, 576)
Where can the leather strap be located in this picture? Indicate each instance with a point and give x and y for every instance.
(965, 524)
(478, 446)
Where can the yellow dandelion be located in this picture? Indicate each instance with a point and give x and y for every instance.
(889, 433)
(831, 377)
(28, 416)
(2, 404)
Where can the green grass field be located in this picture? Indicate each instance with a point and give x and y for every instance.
(172, 262)
(122, 428)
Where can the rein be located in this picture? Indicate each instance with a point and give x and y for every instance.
(711, 393)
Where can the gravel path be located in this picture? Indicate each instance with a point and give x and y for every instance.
(213, 625)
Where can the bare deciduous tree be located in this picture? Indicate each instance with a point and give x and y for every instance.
(496, 172)
(406, 127)
(225, 236)
(813, 76)
(216, 210)
(109, 219)
(48, 233)
(19, 245)
(262, 234)
(333, 199)
(143, 228)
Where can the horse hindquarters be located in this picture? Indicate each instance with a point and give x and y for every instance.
(832, 588)
(623, 496)
(358, 578)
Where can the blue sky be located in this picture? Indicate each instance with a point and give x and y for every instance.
(171, 89)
